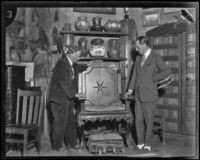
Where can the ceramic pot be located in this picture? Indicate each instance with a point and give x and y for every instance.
(67, 27)
(27, 56)
(96, 24)
(14, 56)
(97, 51)
(112, 26)
(97, 41)
(82, 43)
(68, 39)
(113, 48)
(82, 24)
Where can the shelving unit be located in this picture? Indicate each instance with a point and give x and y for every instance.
(102, 83)
(175, 42)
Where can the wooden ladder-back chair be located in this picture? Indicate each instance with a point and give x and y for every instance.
(26, 129)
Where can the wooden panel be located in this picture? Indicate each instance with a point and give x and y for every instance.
(171, 127)
(36, 110)
(15, 80)
(170, 58)
(24, 109)
(101, 84)
(163, 46)
(30, 114)
(168, 107)
(17, 110)
(95, 33)
(170, 95)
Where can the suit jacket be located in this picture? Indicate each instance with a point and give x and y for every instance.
(62, 88)
(144, 77)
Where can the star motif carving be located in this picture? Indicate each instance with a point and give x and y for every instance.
(100, 86)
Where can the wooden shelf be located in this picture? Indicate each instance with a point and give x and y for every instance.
(168, 107)
(170, 58)
(172, 120)
(165, 46)
(174, 70)
(170, 95)
(95, 33)
(102, 58)
(174, 83)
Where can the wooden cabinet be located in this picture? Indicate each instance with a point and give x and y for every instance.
(102, 111)
(175, 42)
(15, 78)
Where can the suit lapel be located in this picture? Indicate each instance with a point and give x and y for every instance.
(67, 63)
(148, 60)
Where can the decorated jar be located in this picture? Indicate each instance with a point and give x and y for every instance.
(82, 24)
(67, 27)
(112, 26)
(113, 48)
(97, 49)
(96, 24)
(82, 43)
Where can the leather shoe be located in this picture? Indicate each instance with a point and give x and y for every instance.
(77, 146)
(61, 149)
(147, 148)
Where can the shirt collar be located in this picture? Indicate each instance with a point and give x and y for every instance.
(147, 52)
(70, 61)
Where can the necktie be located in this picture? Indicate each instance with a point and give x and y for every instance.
(143, 60)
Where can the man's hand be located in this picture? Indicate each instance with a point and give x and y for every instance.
(80, 95)
(127, 94)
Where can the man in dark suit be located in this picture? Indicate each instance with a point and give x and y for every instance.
(149, 68)
(61, 95)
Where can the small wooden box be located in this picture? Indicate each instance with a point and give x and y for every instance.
(103, 143)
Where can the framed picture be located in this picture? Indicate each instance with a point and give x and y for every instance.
(95, 10)
(151, 18)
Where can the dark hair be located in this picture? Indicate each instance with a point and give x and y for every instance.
(143, 40)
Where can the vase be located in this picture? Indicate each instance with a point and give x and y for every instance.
(82, 43)
(68, 39)
(112, 26)
(82, 24)
(27, 56)
(97, 41)
(97, 51)
(128, 26)
(113, 48)
(96, 24)
(67, 27)
(14, 56)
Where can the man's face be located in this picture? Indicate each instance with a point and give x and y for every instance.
(75, 56)
(141, 48)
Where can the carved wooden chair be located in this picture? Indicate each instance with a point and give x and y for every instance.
(25, 131)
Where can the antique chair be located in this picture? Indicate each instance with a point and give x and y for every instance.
(25, 131)
(102, 111)
(159, 125)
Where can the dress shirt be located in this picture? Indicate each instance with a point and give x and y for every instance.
(146, 54)
(71, 63)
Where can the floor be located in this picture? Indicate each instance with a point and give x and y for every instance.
(176, 146)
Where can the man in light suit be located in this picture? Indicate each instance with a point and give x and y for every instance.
(61, 95)
(149, 68)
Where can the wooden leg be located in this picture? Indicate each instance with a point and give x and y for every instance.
(82, 138)
(24, 153)
(163, 131)
(127, 138)
(38, 143)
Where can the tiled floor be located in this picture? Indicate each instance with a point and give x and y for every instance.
(176, 146)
